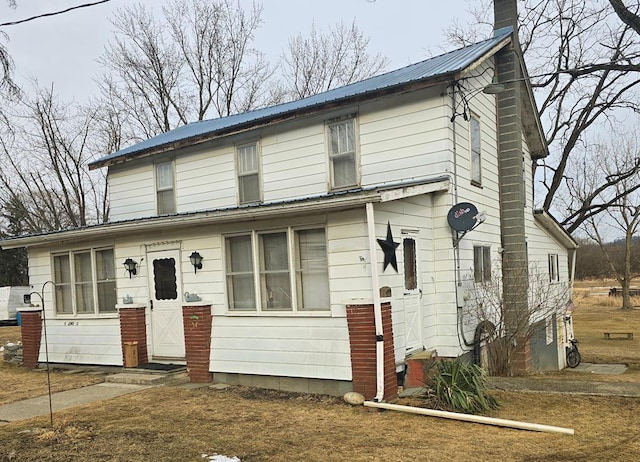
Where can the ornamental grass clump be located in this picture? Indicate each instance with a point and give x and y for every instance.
(460, 386)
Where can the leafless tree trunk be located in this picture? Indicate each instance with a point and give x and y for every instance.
(43, 171)
(622, 217)
(193, 63)
(322, 61)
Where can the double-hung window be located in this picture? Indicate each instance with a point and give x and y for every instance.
(165, 194)
(85, 282)
(481, 264)
(342, 154)
(476, 153)
(554, 273)
(248, 173)
(284, 270)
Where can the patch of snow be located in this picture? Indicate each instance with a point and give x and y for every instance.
(220, 458)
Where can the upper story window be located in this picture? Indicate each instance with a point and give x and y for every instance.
(165, 191)
(277, 271)
(554, 273)
(85, 282)
(476, 153)
(481, 263)
(342, 154)
(248, 173)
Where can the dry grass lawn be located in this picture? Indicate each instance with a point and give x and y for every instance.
(176, 424)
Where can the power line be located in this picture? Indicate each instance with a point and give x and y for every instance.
(44, 15)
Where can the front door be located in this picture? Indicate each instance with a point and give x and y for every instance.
(412, 296)
(165, 296)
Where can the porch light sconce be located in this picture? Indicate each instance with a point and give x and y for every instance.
(196, 261)
(130, 266)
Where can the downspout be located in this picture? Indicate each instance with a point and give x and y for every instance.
(377, 307)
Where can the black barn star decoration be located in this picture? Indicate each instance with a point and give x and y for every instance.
(389, 248)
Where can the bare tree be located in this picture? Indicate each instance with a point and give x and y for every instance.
(322, 61)
(583, 64)
(50, 189)
(502, 332)
(622, 217)
(195, 62)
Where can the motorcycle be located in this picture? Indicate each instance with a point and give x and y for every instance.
(573, 355)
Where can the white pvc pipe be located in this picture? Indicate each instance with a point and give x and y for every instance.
(472, 418)
(377, 307)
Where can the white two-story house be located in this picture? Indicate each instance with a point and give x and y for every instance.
(306, 245)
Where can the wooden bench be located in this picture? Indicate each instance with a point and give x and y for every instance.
(625, 335)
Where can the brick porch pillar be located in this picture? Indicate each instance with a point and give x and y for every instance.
(197, 321)
(362, 339)
(133, 328)
(31, 328)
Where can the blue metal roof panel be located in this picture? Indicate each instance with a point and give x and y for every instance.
(447, 63)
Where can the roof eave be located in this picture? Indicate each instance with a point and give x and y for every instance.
(555, 229)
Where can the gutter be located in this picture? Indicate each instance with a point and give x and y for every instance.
(377, 307)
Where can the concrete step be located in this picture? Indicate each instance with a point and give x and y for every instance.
(149, 378)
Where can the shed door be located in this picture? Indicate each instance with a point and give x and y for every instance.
(412, 296)
(165, 287)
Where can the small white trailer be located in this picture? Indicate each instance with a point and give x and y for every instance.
(12, 298)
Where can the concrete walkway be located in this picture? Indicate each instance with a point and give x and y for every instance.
(39, 406)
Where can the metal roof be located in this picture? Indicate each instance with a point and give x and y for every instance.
(438, 66)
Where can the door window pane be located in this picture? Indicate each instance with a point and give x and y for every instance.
(409, 252)
(164, 276)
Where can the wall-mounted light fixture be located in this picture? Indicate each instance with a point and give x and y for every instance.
(196, 261)
(130, 266)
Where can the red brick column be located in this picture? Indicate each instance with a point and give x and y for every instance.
(31, 328)
(133, 328)
(197, 340)
(362, 338)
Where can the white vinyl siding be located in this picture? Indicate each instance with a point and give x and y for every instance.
(342, 154)
(248, 173)
(165, 193)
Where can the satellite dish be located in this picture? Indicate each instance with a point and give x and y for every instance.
(462, 217)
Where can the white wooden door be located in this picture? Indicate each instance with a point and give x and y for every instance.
(165, 295)
(412, 296)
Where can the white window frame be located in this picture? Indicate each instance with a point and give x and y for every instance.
(163, 188)
(259, 274)
(481, 264)
(241, 173)
(73, 284)
(475, 150)
(343, 153)
(554, 268)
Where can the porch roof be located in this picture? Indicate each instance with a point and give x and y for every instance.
(332, 201)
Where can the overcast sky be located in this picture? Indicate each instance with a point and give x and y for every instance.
(63, 49)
